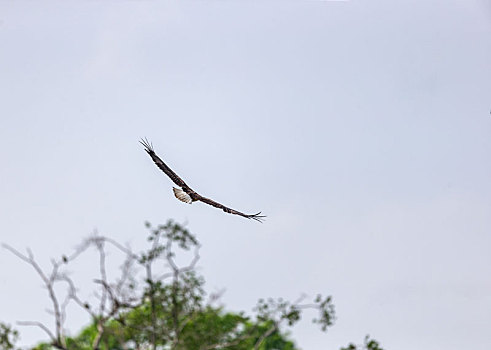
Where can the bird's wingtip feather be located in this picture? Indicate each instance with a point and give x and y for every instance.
(257, 217)
(148, 145)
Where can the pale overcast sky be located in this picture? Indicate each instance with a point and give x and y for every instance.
(361, 128)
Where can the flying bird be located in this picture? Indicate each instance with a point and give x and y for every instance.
(185, 193)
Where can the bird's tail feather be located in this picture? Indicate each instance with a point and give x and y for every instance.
(182, 196)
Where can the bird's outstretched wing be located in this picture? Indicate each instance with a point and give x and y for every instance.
(211, 202)
(162, 166)
(187, 195)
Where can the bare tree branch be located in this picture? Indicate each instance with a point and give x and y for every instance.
(226, 344)
(265, 335)
(40, 325)
(49, 283)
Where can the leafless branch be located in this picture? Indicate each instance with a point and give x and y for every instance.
(123, 249)
(226, 344)
(49, 284)
(72, 294)
(266, 334)
(40, 325)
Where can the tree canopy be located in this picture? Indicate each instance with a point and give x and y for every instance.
(155, 303)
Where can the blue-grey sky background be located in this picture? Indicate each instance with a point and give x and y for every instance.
(361, 128)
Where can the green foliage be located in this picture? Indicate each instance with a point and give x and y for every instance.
(8, 337)
(280, 309)
(207, 329)
(326, 312)
(368, 344)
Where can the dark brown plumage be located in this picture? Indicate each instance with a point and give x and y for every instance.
(186, 194)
